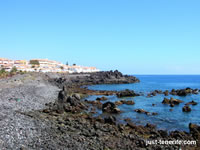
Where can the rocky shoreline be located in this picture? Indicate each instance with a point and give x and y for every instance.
(148, 132)
(67, 122)
(75, 82)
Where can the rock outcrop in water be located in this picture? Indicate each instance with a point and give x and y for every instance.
(127, 102)
(110, 107)
(172, 101)
(179, 92)
(126, 93)
(154, 93)
(103, 98)
(166, 92)
(186, 108)
(75, 82)
(145, 112)
(184, 92)
(191, 103)
(103, 77)
(68, 103)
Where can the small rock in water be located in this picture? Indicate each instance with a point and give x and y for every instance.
(145, 112)
(140, 110)
(191, 103)
(126, 93)
(186, 109)
(102, 98)
(129, 102)
(172, 101)
(166, 93)
(110, 107)
(154, 113)
(118, 103)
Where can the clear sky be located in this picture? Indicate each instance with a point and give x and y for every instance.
(133, 36)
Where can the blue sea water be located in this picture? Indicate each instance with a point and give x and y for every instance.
(166, 119)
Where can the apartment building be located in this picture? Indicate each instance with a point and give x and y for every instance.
(79, 69)
(20, 62)
(47, 63)
(44, 65)
(7, 67)
(4, 61)
(7, 64)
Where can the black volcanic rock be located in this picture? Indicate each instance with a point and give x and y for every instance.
(62, 95)
(166, 93)
(110, 120)
(142, 111)
(195, 91)
(110, 107)
(181, 93)
(126, 93)
(76, 96)
(102, 77)
(165, 101)
(154, 93)
(69, 103)
(191, 103)
(184, 92)
(103, 98)
(172, 101)
(129, 102)
(194, 130)
(111, 77)
(186, 108)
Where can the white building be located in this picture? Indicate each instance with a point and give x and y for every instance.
(79, 69)
(45, 65)
(4, 61)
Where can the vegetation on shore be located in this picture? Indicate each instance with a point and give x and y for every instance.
(34, 63)
(14, 71)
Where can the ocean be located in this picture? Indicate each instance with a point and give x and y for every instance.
(166, 119)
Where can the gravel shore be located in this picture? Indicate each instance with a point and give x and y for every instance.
(22, 93)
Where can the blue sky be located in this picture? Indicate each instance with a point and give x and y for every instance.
(133, 36)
